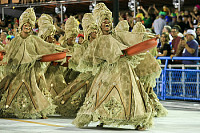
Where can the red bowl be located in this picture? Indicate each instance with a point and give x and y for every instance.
(140, 47)
(1, 56)
(53, 57)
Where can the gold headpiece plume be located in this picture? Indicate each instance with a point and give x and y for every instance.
(88, 24)
(138, 27)
(46, 27)
(71, 28)
(101, 12)
(28, 16)
(45, 19)
(122, 26)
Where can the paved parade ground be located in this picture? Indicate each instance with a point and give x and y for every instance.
(183, 117)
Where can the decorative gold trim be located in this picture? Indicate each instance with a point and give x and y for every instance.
(130, 101)
(16, 91)
(99, 103)
(65, 90)
(73, 92)
(122, 100)
(8, 102)
(6, 86)
(30, 94)
(140, 90)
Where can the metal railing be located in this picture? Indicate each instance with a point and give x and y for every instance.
(178, 81)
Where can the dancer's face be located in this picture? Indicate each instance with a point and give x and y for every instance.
(26, 28)
(93, 34)
(71, 41)
(106, 25)
(50, 39)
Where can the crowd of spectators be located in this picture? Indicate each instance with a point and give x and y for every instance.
(179, 30)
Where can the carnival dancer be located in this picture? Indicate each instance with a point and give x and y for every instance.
(149, 69)
(54, 72)
(22, 96)
(68, 41)
(72, 97)
(116, 96)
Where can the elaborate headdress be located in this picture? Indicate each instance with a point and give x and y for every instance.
(45, 19)
(122, 26)
(138, 27)
(28, 16)
(88, 24)
(101, 12)
(71, 28)
(46, 27)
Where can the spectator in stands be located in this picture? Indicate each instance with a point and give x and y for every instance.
(79, 19)
(159, 23)
(167, 16)
(167, 29)
(174, 20)
(179, 28)
(198, 34)
(121, 17)
(130, 20)
(198, 20)
(156, 12)
(181, 23)
(139, 18)
(187, 22)
(10, 27)
(190, 46)
(194, 14)
(15, 28)
(153, 13)
(186, 13)
(175, 44)
(15, 21)
(147, 20)
(165, 49)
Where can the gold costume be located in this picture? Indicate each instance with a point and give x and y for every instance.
(22, 96)
(116, 97)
